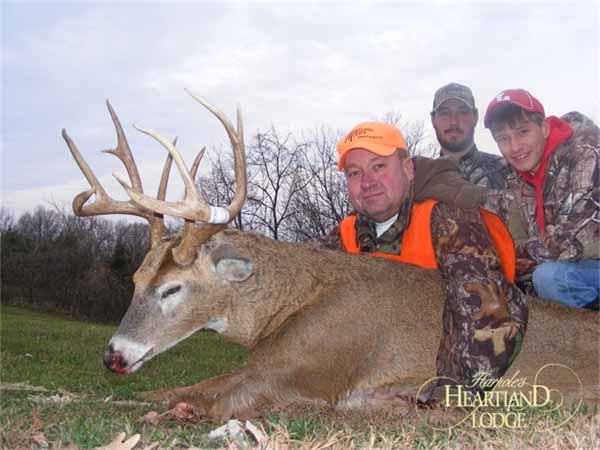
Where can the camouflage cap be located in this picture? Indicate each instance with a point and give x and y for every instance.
(456, 91)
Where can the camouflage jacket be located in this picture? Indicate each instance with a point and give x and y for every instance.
(485, 316)
(571, 195)
(483, 169)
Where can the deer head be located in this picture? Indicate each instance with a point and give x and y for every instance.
(176, 269)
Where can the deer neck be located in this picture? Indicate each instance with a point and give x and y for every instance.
(291, 284)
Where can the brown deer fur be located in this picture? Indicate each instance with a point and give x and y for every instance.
(323, 326)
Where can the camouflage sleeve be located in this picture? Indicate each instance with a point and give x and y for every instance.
(505, 203)
(575, 233)
(485, 316)
(439, 179)
(498, 200)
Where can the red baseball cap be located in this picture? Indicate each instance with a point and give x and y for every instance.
(519, 97)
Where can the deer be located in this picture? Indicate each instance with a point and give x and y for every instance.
(324, 327)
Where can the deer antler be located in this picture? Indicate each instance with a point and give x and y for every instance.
(193, 208)
(104, 204)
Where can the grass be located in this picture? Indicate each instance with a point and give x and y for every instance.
(59, 354)
(65, 357)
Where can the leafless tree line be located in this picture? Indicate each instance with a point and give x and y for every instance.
(295, 191)
(84, 266)
(81, 266)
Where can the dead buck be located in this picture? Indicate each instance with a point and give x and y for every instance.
(323, 326)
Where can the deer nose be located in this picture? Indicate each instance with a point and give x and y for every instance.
(114, 360)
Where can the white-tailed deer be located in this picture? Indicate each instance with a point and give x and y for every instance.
(323, 326)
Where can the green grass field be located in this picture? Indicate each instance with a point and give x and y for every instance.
(65, 357)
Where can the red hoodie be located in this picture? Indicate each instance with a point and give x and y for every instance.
(560, 131)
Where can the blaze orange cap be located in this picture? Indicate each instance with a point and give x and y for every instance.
(377, 137)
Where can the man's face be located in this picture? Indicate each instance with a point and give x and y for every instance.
(522, 145)
(454, 125)
(377, 185)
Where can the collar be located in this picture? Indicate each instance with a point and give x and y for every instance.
(391, 240)
(470, 154)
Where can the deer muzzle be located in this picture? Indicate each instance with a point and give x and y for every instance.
(123, 356)
(115, 361)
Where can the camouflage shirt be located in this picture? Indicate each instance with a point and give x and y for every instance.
(485, 316)
(483, 169)
(571, 196)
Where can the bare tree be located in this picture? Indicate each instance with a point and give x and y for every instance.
(7, 219)
(52, 258)
(323, 202)
(277, 177)
(417, 139)
(296, 192)
(42, 225)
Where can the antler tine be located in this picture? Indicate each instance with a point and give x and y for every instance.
(164, 178)
(104, 204)
(193, 207)
(240, 161)
(196, 163)
(240, 126)
(157, 225)
(193, 236)
(123, 152)
(237, 143)
(85, 169)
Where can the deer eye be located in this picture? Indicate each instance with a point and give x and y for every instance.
(171, 291)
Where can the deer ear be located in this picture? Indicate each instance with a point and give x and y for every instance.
(231, 266)
(234, 269)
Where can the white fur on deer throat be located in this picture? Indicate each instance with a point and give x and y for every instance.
(219, 325)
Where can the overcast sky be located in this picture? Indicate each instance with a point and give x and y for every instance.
(295, 65)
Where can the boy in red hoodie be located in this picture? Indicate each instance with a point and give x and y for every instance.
(555, 183)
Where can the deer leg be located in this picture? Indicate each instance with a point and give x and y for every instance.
(257, 392)
(200, 394)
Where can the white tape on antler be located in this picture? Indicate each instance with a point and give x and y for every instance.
(218, 215)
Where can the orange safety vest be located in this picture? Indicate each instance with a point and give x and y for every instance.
(417, 246)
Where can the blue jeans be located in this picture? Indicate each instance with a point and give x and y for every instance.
(575, 284)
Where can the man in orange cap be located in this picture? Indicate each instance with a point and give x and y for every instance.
(470, 247)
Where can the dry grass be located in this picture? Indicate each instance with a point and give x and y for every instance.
(90, 422)
(40, 351)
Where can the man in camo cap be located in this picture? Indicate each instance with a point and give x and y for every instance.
(454, 117)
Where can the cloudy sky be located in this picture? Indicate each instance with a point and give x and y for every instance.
(295, 65)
